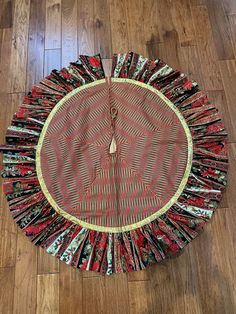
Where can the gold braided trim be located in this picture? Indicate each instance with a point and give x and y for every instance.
(147, 219)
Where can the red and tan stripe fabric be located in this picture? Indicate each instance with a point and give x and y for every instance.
(118, 189)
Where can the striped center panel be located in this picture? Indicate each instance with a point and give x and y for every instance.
(113, 190)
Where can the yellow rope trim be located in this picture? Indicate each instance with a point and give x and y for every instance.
(141, 222)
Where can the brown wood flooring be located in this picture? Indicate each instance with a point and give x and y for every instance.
(196, 36)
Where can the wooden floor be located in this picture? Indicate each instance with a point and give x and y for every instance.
(196, 36)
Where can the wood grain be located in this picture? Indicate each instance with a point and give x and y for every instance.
(35, 60)
(228, 74)
(189, 63)
(6, 14)
(196, 36)
(52, 60)
(19, 45)
(69, 31)
(6, 292)
(71, 290)
(86, 27)
(150, 30)
(206, 48)
(143, 303)
(5, 60)
(102, 36)
(221, 30)
(167, 40)
(116, 296)
(232, 22)
(230, 6)
(230, 192)
(47, 294)
(46, 264)
(182, 21)
(119, 32)
(93, 289)
(135, 28)
(53, 24)
(25, 276)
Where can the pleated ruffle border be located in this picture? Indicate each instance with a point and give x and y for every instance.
(106, 252)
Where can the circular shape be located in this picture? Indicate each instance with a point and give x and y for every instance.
(125, 190)
(115, 174)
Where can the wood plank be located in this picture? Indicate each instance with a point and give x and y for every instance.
(189, 64)
(230, 6)
(86, 27)
(52, 60)
(200, 253)
(90, 274)
(206, 49)
(6, 14)
(197, 2)
(183, 280)
(94, 289)
(47, 294)
(25, 276)
(228, 73)
(7, 275)
(47, 264)
(182, 21)
(36, 43)
(102, 36)
(8, 231)
(176, 275)
(232, 22)
(70, 283)
(227, 271)
(150, 27)
(161, 273)
(116, 296)
(140, 300)
(142, 275)
(136, 39)
(230, 190)
(166, 41)
(69, 32)
(119, 31)
(168, 51)
(164, 21)
(19, 45)
(220, 29)
(215, 280)
(53, 24)
(5, 59)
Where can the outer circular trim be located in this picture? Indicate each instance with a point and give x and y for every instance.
(147, 219)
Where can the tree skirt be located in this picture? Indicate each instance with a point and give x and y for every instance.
(114, 174)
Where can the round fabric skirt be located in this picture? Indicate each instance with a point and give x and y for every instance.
(112, 174)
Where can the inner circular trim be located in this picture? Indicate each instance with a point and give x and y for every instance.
(148, 219)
